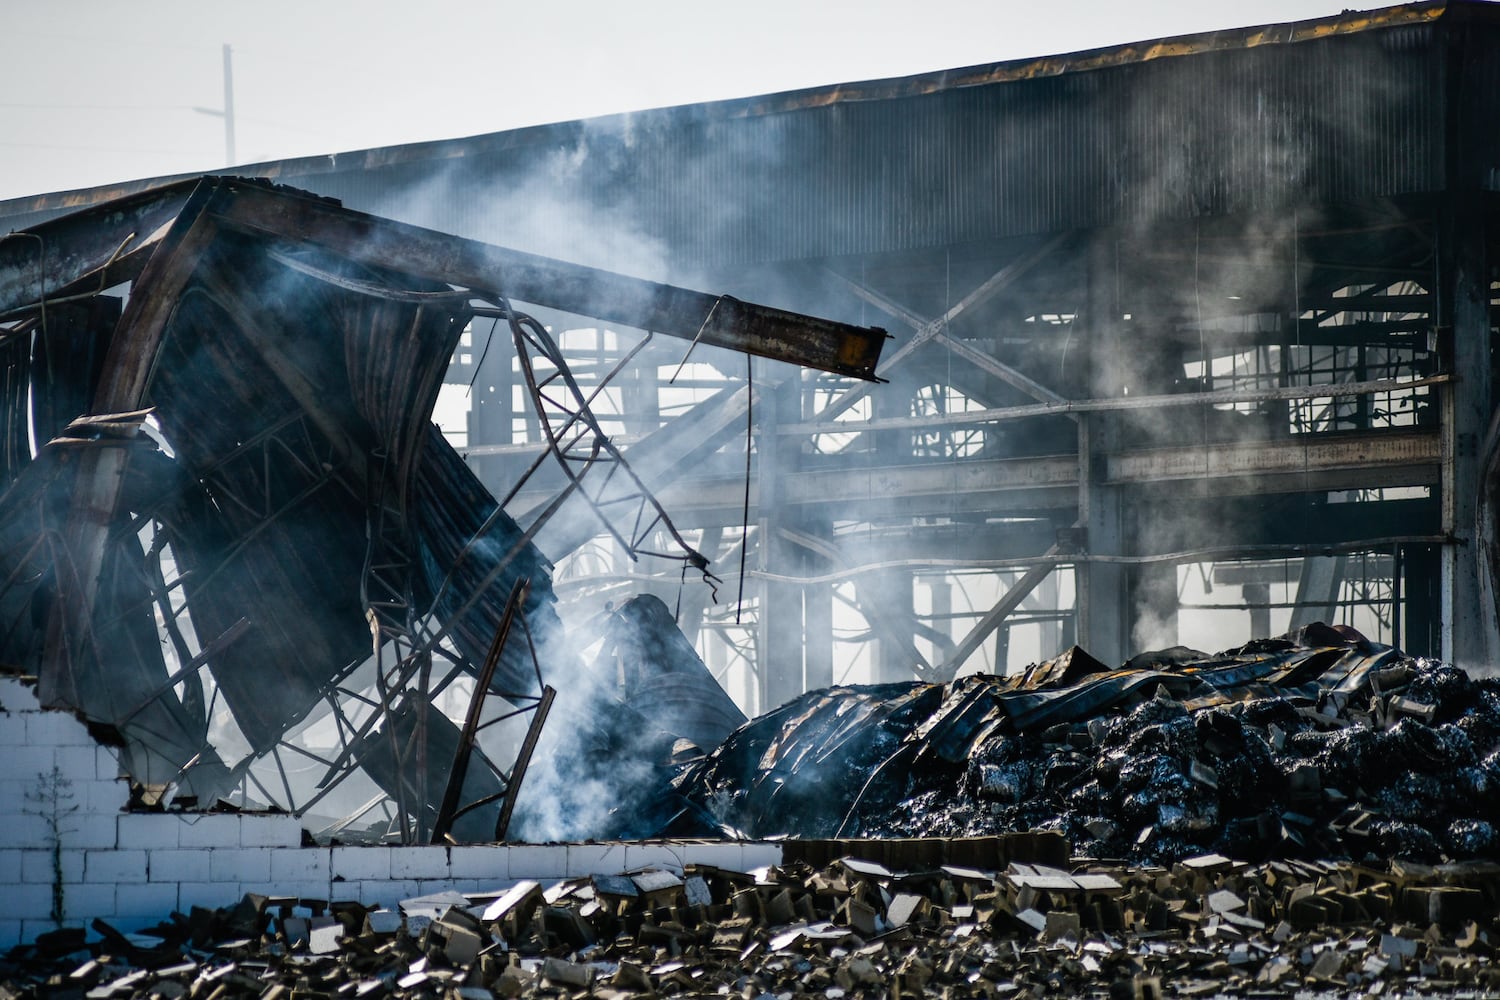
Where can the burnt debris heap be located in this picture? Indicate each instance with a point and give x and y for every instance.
(241, 522)
(1316, 745)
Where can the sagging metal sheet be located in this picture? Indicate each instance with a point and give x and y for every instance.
(254, 491)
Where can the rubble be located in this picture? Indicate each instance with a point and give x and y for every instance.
(1205, 926)
(1318, 744)
(240, 529)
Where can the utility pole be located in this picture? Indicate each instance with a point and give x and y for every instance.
(228, 111)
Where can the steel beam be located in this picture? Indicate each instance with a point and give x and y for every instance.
(1464, 298)
(925, 330)
(995, 617)
(1118, 404)
(1011, 486)
(43, 262)
(717, 320)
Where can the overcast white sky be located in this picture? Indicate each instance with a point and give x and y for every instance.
(97, 91)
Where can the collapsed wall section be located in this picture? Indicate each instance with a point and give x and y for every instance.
(70, 853)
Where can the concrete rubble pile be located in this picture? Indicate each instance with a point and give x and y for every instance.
(850, 928)
(1314, 745)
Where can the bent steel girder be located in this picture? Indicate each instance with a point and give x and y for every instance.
(289, 540)
(579, 445)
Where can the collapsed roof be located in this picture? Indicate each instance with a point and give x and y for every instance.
(236, 478)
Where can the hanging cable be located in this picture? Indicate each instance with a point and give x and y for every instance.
(745, 512)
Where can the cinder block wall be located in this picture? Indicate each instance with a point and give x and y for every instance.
(66, 843)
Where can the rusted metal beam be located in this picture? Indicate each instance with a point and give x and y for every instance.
(99, 471)
(718, 320)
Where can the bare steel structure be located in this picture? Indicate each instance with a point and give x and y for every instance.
(1192, 327)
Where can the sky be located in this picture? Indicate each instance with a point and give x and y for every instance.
(100, 91)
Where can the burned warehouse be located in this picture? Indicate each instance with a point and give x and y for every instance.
(1086, 464)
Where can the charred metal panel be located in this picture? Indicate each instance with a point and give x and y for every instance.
(263, 508)
(660, 675)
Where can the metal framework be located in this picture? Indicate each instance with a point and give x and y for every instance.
(1166, 315)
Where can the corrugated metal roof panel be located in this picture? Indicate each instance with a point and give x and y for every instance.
(1243, 121)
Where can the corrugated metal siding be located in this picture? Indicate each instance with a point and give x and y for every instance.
(1334, 120)
(1482, 91)
(1339, 118)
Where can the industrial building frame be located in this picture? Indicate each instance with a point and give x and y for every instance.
(1222, 299)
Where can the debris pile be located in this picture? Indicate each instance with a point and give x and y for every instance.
(851, 928)
(1319, 744)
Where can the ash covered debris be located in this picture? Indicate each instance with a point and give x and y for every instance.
(1317, 744)
(1208, 926)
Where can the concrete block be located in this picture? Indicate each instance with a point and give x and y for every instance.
(595, 859)
(106, 764)
(57, 729)
(758, 854)
(114, 866)
(19, 796)
(179, 864)
(432, 886)
(209, 830)
(76, 762)
(303, 864)
(270, 831)
(388, 892)
(658, 855)
(419, 862)
(36, 866)
(477, 861)
(10, 933)
(150, 899)
(32, 929)
(107, 795)
(360, 864)
(241, 864)
(149, 830)
(301, 888)
(25, 830)
(89, 901)
(16, 696)
(727, 854)
(90, 830)
(25, 762)
(209, 895)
(479, 885)
(538, 861)
(132, 922)
(12, 730)
(28, 901)
(10, 866)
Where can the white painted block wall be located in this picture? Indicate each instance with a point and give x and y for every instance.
(134, 869)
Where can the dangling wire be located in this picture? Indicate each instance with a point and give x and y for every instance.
(745, 513)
